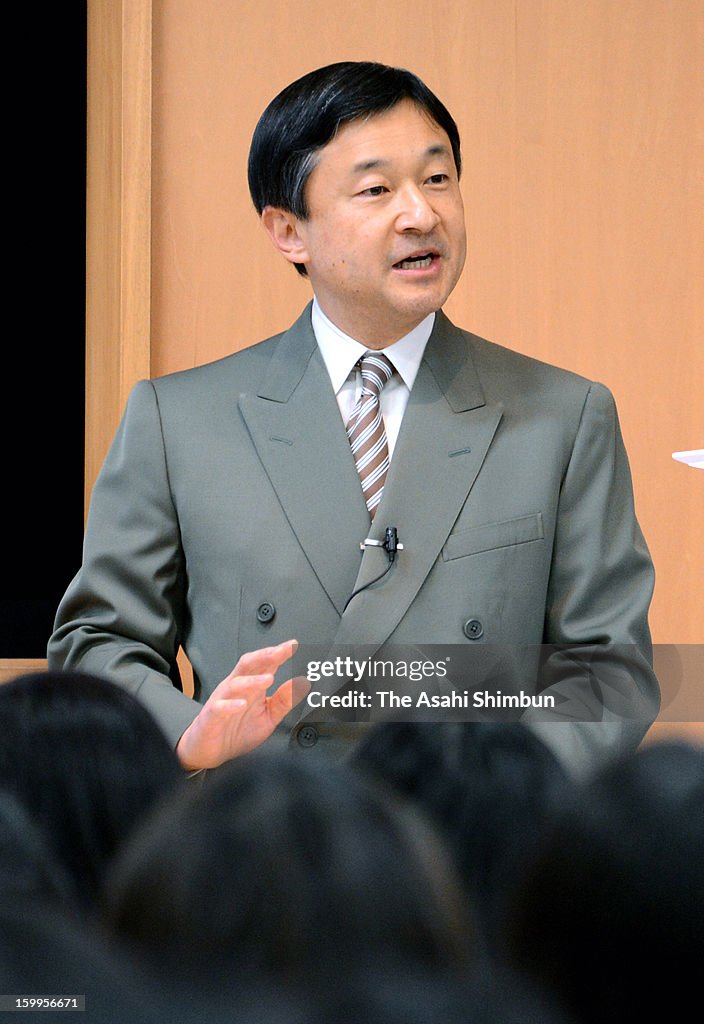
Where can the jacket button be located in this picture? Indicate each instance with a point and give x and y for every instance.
(266, 612)
(307, 736)
(473, 629)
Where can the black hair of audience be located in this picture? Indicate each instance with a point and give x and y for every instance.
(397, 992)
(85, 760)
(48, 950)
(490, 788)
(393, 993)
(282, 867)
(28, 870)
(611, 917)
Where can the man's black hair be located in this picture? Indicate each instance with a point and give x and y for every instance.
(307, 114)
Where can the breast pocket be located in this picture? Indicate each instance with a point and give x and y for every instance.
(490, 536)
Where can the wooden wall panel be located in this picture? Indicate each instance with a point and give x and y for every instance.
(582, 133)
(583, 137)
(118, 215)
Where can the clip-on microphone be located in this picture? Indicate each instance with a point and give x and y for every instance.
(391, 545)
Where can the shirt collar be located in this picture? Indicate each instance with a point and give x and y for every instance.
(340, 352)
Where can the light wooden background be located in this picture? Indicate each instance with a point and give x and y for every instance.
(583, 137)
(582, 124)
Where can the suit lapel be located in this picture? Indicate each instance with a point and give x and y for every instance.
(295, 424)
(444, 437)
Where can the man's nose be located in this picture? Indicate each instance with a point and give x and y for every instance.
(415, 211)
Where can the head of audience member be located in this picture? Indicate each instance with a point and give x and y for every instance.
(85, 760)
(47, 949)
(611, 916)
(392, 993)
(29, 872)
(490, 788)
(279, 867)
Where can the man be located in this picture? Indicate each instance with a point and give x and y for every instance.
(231, 508)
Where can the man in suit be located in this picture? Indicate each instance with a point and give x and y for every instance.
(230, 511)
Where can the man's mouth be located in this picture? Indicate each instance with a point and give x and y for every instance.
(416, 262)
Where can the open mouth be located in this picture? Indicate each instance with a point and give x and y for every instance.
(417, 262)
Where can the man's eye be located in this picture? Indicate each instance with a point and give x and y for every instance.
(374, 190)
(438, 179)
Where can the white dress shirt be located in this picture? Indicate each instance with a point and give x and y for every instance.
(341, 354)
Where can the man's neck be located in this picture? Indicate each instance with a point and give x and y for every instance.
(370, 336)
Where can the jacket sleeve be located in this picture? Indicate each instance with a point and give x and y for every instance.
(121, 615)
(598, 662)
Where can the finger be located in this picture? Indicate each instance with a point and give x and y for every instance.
(300, 689)
(246, 687)
(287, 696)
(266, 659)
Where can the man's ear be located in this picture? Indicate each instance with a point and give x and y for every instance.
(282, 228)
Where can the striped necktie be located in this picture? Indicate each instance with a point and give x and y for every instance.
(365, 429)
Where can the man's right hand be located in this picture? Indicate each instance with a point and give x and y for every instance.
(239, 715)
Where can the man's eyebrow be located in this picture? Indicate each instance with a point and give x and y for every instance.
(438, 149)
(368, 165)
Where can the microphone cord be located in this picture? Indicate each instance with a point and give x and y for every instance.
(390, 545)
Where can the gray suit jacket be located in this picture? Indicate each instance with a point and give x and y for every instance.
(231, 487)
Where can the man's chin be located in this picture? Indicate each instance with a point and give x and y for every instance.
(414, 310)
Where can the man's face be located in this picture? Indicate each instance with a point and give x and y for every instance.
(384, 243)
